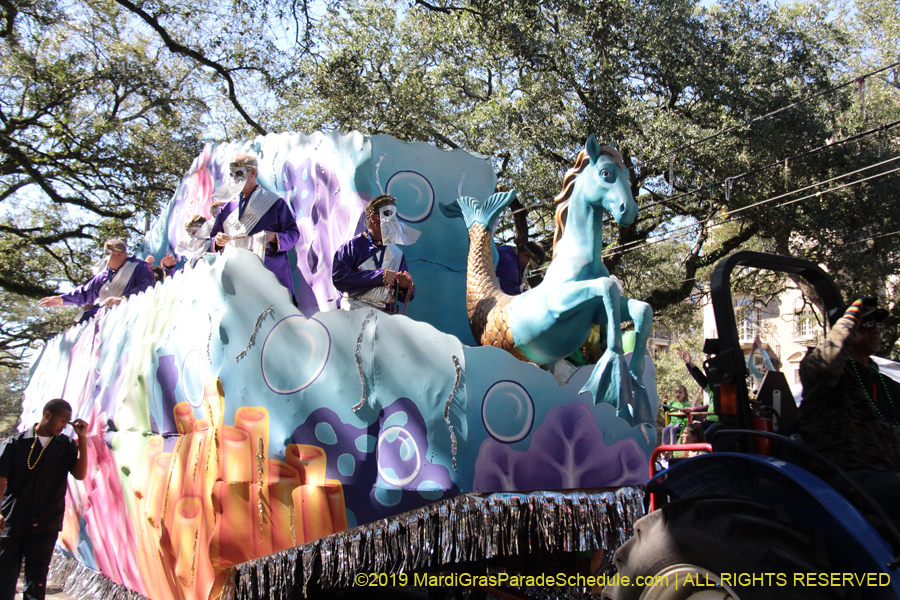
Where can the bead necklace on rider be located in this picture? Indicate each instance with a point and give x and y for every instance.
(394, 308)
(869, 398)
(28, 460)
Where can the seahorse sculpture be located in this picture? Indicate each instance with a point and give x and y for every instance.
(552, 320)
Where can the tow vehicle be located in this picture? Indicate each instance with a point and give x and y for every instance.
(735, 523)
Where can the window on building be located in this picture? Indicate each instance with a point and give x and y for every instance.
(749, 318)
(805, 324)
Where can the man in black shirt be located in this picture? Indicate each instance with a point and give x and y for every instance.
(34, 468)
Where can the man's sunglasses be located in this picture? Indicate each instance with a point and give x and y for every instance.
(868, 325)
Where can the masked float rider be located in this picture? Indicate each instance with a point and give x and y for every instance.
(116, 276)
(192, 248)
(515, 263)
(257, 220)
(370, 269)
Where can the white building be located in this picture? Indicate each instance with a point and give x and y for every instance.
(787, 326)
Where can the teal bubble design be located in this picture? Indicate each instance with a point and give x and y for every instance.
(408, 449)
(398, 419)
(408, 453)
(388, 497)
(346, 464)
(414, 194)
(325, 434)
(507, 412)
(430, 490)
(366, 443)
(306, 342)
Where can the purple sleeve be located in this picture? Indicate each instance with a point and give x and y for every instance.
(86, 293)
(508, 270)
(141, 279)
(344, 272)
(287, 230)
(217, 226)
(698, 375)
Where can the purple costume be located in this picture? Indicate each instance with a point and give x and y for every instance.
(350, 279)
(278, 219)
(508, 271)
(89, 293)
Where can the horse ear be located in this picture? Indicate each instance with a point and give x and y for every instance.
(592, 148)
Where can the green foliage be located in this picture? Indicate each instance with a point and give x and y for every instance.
(24, 326)
(12, 386)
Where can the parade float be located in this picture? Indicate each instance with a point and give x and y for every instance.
(242, 446)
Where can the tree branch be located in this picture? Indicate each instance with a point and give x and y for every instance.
(177, 48)
(448, 10)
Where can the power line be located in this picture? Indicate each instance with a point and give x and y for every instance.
(840, 187)
(783, 161)
(755, 204)
(668, 234)
(873, 238)
(629, 246)
(622, 249)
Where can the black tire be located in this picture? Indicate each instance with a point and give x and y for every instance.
(719, 537)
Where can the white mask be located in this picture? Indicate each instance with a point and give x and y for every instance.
(197, 243)
(394, 231)
(231, 188)
(227, 191)
(99, 266)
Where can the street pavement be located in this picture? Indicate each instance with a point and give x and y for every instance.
(53, 593)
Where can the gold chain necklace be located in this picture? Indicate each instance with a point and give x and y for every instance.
(28, 460)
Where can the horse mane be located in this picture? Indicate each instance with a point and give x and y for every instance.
(562, 199)
(562, 211)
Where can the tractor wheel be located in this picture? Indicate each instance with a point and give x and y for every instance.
(718, 549)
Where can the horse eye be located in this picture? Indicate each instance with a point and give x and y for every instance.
(604, 173)
(388, 213)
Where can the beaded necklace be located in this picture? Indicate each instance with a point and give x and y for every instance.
(395, 309)
(28, 460)
(869, 398)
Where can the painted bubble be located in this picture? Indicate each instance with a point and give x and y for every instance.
(388, 497)
(414, 194)
(346, 464)
(294, 354)
(325, 434)
(398, 419)
(398, 457)
(508, 412)
(366, 443)
(430, 490)
(193, 376)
